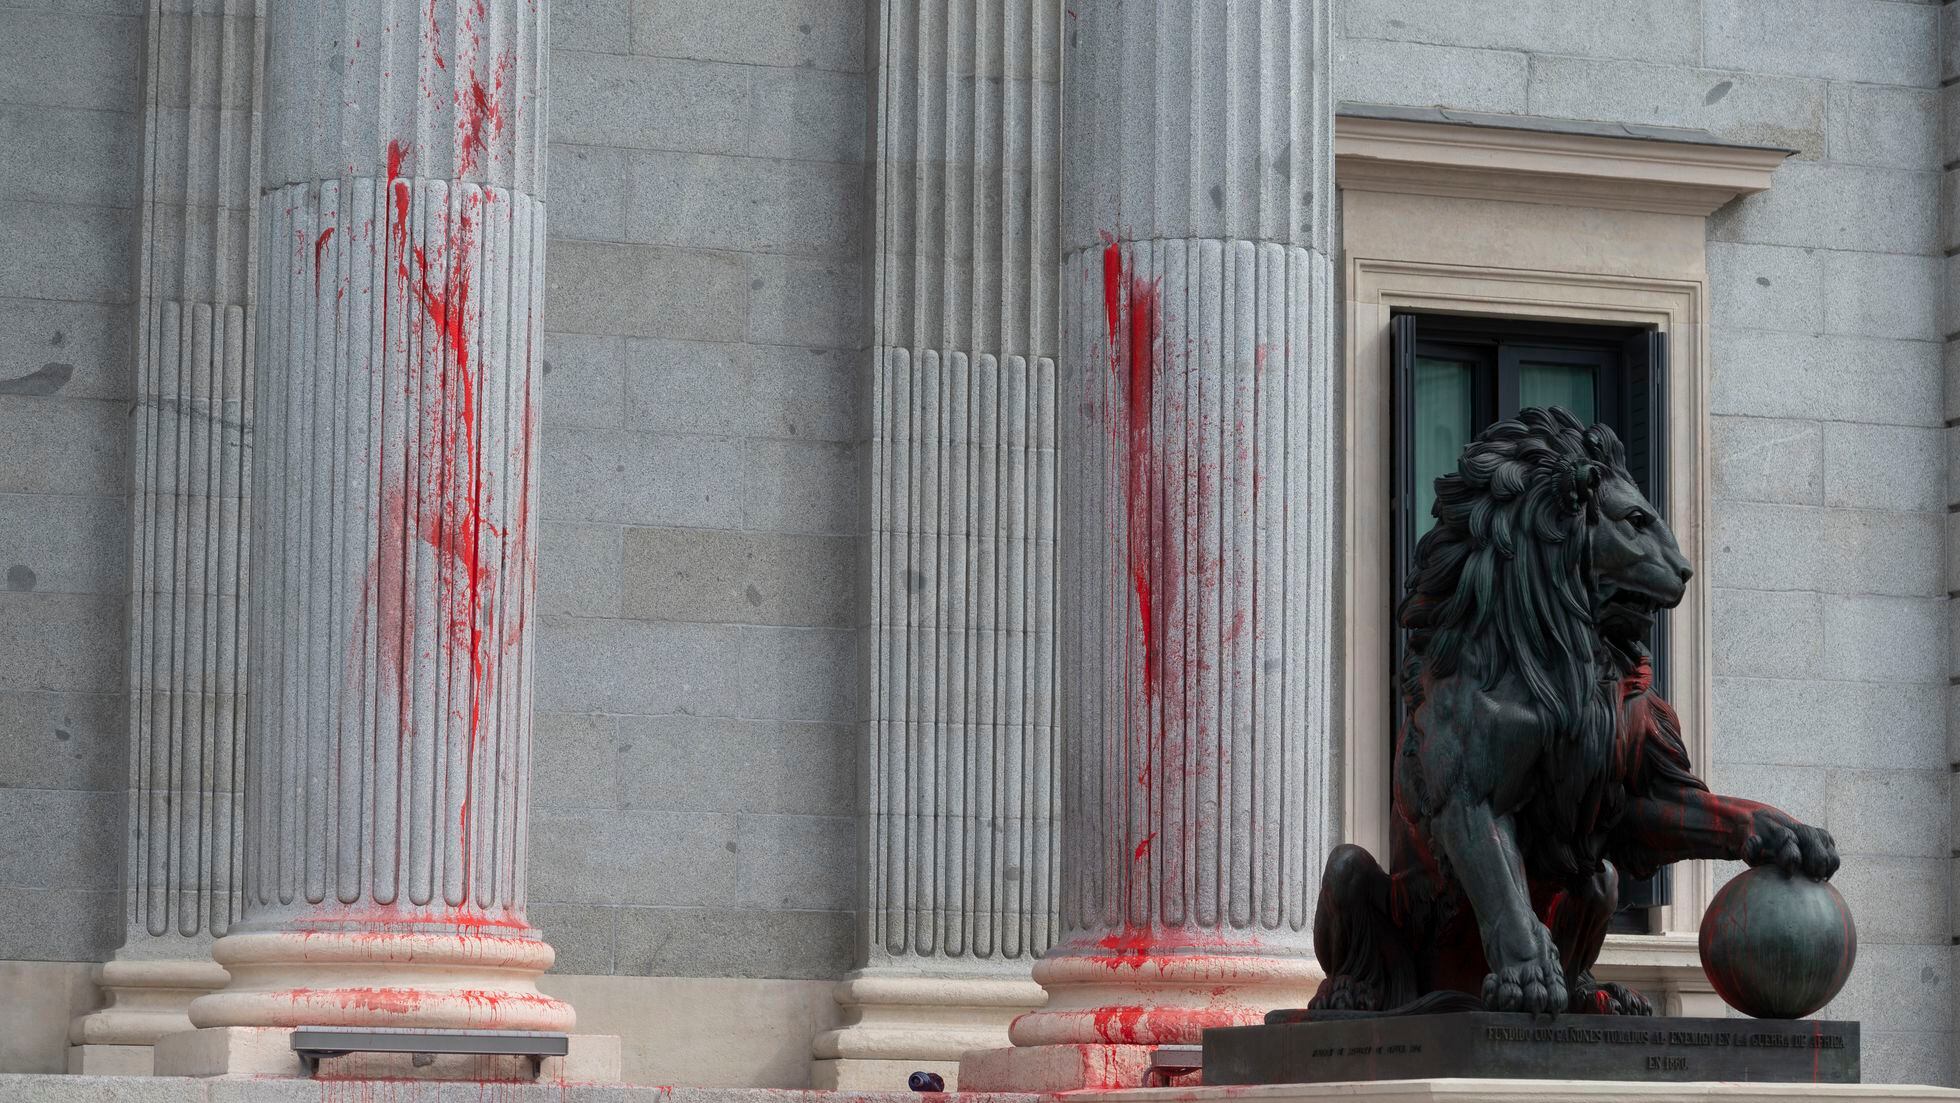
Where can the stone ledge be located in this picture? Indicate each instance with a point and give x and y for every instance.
(16, 1088)
(1524, 1091)
(1652, 171)
(164, 1089)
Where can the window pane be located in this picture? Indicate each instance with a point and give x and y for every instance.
(1444, 407)
(1567, 385)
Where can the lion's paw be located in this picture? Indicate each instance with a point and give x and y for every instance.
(1534, 985)
(1591, 997)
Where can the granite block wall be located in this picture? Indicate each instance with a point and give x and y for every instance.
(69, 186)
(1830, 666)
(696, 793)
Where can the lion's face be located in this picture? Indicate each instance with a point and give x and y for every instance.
(1637, 567)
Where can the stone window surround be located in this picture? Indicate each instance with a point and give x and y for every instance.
(1528, 218)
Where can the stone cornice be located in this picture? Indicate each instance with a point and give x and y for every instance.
(1484, 161)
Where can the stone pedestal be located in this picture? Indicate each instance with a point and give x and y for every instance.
(897, 1025)
(1492, 1045)
(395, 482)
(1196, 607)
(146, 1000)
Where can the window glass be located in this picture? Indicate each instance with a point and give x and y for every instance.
(1445, 415)
(1457, 375)
(1568, 385)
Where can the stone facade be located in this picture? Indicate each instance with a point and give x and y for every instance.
(1830, 696)
(768, 221)
(701, 538)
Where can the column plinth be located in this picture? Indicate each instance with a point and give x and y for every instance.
(1195, 613)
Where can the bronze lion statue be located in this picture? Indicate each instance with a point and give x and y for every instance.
(1536, 760)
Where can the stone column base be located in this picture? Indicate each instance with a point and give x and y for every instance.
(1055, 1068)
(98, 1060)
(147, 998)
(266, 1051)
(1133, 994)
(897, 1025)
(382, 977)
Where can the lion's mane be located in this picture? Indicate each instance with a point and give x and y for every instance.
(1502, 587)
(1502, 583)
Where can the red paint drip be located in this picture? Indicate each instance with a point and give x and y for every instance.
(1140, 379)
(1143, 847)
(457, 531)
(1133, 312)
(437, 497)
(319, 253)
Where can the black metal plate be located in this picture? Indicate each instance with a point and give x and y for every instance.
(333, 1040)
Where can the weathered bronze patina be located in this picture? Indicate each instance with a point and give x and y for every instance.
(1537, 761)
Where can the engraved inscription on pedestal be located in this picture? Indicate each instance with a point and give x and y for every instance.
(1514, 1046)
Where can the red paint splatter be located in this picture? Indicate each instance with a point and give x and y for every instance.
(1118, 1024)
(1129, 1024)
(435, 36)
(1162, 947)
(1139, 378)
(1130, 948)
(1143, 847)
(436, 496)
(399, 920)
(319, 253)
(477, 110)
(1133, 315)
(485, 1008)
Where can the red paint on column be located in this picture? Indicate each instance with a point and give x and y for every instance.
(1132, 312)
(319, 254)
(439, 500)
(456, 526)
(476, 111)
(1138, 379)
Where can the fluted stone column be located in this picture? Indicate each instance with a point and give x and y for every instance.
(190, 436)
(960, 752)
(391, 603)
(1198, 531)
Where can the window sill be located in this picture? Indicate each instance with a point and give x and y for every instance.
(1664, 967)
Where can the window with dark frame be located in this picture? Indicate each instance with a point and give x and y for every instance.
(1455, 375)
